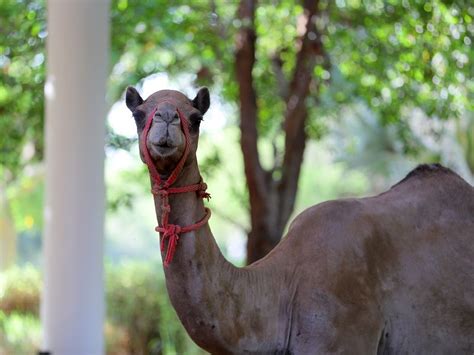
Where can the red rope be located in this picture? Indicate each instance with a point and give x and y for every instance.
(172, 232)
(169, 231)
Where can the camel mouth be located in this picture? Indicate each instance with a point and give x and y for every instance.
(163, 150)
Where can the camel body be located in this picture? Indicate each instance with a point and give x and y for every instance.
(389, 274)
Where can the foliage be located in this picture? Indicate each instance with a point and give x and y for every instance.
(19, 333)
(465, 136)
(19, 308)
(392, 54)
(19, 291)
(137, 302)
(22, 77)
(166, 41)
(26, 196)
(139, 320)
(123, 185)
(404, 54)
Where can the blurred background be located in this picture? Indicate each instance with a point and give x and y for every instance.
(335, 99)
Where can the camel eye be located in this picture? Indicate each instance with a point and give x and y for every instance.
(195, 118)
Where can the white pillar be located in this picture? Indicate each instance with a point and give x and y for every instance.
(72, 305)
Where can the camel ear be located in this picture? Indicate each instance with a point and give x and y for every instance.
(202, 100)
(133, 98)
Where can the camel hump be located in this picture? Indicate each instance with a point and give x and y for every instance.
(428, 169)
(423, 171)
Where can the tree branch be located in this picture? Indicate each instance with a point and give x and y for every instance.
(245, 59)
(311, 48)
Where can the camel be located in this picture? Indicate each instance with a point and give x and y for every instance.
(389, 274)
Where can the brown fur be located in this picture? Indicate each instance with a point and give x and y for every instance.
(389, 274)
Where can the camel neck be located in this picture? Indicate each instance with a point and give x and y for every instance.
(197, 247)
(209, 294)
(198, 267)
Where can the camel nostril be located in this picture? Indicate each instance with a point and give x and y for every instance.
(160, 143)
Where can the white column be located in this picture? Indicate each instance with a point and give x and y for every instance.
(72, 305)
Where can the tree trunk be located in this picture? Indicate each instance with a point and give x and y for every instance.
(272, 198)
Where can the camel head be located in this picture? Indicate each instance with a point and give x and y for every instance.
(165, 140)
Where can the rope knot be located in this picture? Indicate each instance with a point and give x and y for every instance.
(170, 232)
(202, 192)
(160, 190)
(163, 192)
(172, 229)
(166, 208)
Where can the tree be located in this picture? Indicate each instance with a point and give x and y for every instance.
(272, 192)
(290, 65)
(282, 67)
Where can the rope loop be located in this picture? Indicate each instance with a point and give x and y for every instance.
(170, 231)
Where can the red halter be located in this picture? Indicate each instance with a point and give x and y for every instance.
(164, 189)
